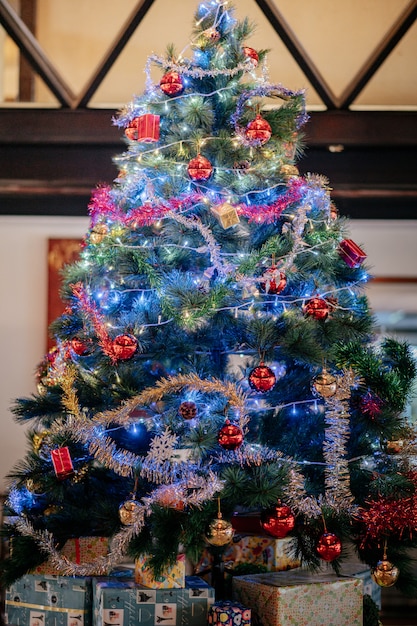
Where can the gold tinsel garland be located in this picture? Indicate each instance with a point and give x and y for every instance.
(200, 488)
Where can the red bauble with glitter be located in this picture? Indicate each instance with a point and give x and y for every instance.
(250, 53)
(273, 281)
(278, 520)
(262, 378)
(81, 347)
(258, 130)
(329, 547)
(171, 83)
(200, 168)
(124, 347)
(317, 308)
(230, 436)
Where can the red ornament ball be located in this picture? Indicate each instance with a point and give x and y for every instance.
(171, 83)
(262, 378)
(124, 347)
(250, 53)
(200, 168)
(278, 520)
(188, 410)
(230, 436)
(273, 281)
(258, 130)
(81, 347)
(317, 308)
(329, 547)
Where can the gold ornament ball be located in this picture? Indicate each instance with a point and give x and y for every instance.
(128, 512)
(220, 532)
(289, 171)
(325, 384)
(385, 574)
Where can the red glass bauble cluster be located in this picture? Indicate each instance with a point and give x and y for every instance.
(171, 83)
(258, 130)
(317, 308)
(124, 347)
(262, 378)
(230, 436)
(329, 547)
(199, 168)
(278, 521)
(250, 53)
(273, 281)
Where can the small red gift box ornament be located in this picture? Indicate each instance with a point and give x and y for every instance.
(144, 128)
(351, 253)
(62, 462)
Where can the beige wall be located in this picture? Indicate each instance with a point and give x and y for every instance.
(339, 35)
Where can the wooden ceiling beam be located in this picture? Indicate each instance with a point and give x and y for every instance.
(378, 56)
(298, 52)
(113, 52)
(29, 46)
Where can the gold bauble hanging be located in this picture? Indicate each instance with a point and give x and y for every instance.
(325, 384)
(128, 512)
(220, 532)
(385, 574)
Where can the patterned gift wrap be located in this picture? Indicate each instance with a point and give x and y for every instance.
(49, 601)
(171, 578)
(124, 603)
(273, 554)
(363, 572)
(78, 550)
(227, 613)
(299, 598)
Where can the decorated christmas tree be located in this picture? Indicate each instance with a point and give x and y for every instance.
(217, 361)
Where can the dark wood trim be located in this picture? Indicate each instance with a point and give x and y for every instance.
(113, 52)
(298, 52)
(378, 56)
(51, 160)
(324, 129)
(29, 46)
(26, 74)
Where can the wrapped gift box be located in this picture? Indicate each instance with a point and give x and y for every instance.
(359, 570)
(172, 577)
(123, 603)
(273, 554)
(302, 598)
(351, 253)
(78, 550)
(49, 601)
(227, 613)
